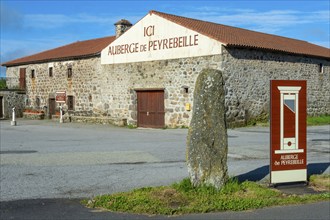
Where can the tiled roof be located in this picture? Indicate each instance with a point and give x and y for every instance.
(238, 37)
(75, 50)
(229, 36)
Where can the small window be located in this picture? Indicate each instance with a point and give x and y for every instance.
(70, 102)
(33, 74)
(185, 89)
(321, 68)
(38, 102)
(50, 71)
(69, 72)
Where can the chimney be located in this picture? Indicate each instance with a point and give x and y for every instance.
(122, 26)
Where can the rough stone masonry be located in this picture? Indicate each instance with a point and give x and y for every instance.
(207, 145)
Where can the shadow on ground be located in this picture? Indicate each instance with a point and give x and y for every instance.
(261, 172)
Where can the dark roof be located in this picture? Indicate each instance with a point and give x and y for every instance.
(229, 36)
(238, 37)
(124, 21)
(79, 49)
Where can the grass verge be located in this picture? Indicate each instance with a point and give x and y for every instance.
(183, 198)
(318, 120)
(311, 121)
(320, 182)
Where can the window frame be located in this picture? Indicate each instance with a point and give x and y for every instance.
(70, 102)
(50, 71)
(321, 68)
(38, 102)
(69, 72)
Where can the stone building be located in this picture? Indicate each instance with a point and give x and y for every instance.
(145, 75)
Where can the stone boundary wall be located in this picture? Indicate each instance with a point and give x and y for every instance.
(12, 98)
(34, 116)
(93, 120)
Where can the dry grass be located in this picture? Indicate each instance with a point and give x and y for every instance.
(320, 182)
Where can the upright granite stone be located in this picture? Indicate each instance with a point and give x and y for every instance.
(207, 137)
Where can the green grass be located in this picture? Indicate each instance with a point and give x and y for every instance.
(183, 198)
(311, 121)
(130, 126)
(318, 120)
(3, 83)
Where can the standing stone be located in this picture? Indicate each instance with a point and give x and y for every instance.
(207, 146)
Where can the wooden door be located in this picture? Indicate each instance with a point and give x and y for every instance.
(150, 106)
(22, 82)
(1, 107)
(51, 107)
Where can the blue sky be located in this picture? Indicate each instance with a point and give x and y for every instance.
(28, 27)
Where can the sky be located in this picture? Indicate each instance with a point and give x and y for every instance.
(32, 26)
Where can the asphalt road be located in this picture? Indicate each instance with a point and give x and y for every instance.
(52, 161)
(72, 210)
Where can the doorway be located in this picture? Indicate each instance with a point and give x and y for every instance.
(22, 82)
(51, 106)
(150, 109)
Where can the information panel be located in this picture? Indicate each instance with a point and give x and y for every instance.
(60, 97)
(288, 131)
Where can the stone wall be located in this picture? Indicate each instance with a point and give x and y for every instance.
(81, 85)
(107, 93)
(247, 75)
(250, 71)
(12, 98)
(174, 76)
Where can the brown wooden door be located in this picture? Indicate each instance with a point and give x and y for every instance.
(51, 107)
(150, 108)
(1, 107)
(22, 74)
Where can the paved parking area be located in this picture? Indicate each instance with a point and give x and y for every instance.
(45, 159)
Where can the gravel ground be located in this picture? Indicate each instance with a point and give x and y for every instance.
(45, 159)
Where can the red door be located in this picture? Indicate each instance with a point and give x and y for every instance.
(22, 73)
(150, 106)
(51, 107)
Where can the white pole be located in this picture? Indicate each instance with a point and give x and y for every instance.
(13, 122)
(61, 114)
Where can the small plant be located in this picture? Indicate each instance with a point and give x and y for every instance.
(33, 111)
(183, 198)
(130, 126)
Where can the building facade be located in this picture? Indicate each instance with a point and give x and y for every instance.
(146, 75)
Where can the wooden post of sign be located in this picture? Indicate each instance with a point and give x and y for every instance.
(288, 158)
(61, 114)
(13, 121)
(61, 98)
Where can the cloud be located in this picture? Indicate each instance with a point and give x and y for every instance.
(50, 21)
(322, 43)
(268, 21)
(11, 19)
(53, 21)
